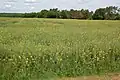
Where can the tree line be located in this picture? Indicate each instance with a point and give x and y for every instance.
(108, 13)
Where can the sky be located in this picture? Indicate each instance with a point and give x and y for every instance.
(18, 6)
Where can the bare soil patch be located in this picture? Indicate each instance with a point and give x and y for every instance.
(115, 76)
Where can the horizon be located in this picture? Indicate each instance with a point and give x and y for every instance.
(26, 6)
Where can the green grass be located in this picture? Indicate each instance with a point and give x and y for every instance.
(40, 49)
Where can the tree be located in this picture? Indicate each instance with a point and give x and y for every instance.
(108, 13)
(99, 14)
(75, 14)
(111, 13)
(85, 14)
(65, 14)
(30, 15)
(43, 14)
(53, 13)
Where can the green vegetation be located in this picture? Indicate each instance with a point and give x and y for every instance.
(108, 13)
(38, 49)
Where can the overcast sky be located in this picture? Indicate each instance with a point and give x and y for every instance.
(37, 5)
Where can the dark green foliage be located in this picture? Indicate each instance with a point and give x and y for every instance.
(108, 13)
(65, 14)
(30, 15)
(99, 14)
(42, 14)
(53, 13)
(11, 14)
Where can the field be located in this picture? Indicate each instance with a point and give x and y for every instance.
(45, 49)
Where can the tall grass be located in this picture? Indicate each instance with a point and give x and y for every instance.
(38, 49)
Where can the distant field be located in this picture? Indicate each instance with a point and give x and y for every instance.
(38, 49)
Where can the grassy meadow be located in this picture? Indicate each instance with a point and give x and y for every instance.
(44, 49)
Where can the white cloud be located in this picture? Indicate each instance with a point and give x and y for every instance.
(55, 6)
(8, 5)
(11, 1)
(83, 1)
(30, 1)
(31, 8)
(27, 4)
